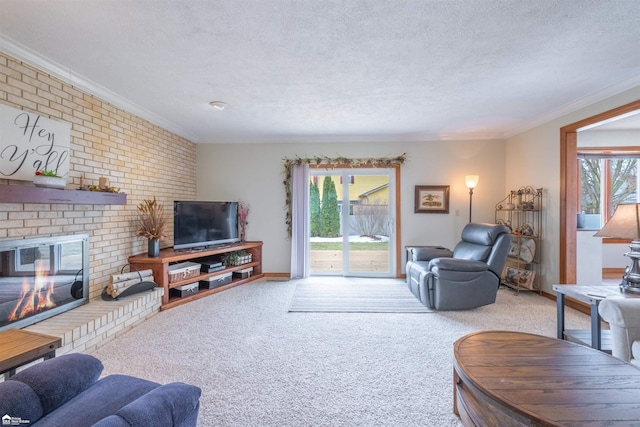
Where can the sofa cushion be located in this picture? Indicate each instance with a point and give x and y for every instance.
(471, 251)
(457, 265)
(174, 404)
(635, 353)
(18, 400)
(482, 234)
(168, 404)
(58, 380)
(620, 311)
(112, 421)
(104, 398)
(428, 253)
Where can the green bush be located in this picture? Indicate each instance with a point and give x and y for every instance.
(329, 214)
(314, 210)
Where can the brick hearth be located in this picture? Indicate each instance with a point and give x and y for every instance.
(88, 327)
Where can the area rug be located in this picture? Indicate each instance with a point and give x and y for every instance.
(386, 297)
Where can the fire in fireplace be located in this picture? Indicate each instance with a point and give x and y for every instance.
(42, 277)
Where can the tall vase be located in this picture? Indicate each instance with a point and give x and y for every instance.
(243, 235)
(154, 248)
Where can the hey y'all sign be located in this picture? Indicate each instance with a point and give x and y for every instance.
(30, 142)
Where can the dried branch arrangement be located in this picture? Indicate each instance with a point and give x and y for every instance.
(152, 220)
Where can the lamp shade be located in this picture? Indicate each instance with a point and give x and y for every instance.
(624, 224)
(472, 180)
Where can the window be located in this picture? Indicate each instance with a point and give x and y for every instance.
(351, 203)
(607, 180)
(351, 179)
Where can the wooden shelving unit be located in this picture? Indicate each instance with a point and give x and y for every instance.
(160, 267)
(29, 194)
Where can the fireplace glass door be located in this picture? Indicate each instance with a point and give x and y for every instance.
(42, 277)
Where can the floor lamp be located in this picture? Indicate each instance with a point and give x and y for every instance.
(472, 182)
(625, 224)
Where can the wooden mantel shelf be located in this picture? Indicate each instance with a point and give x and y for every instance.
(29, 194)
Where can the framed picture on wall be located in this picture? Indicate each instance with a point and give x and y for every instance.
(432, 199)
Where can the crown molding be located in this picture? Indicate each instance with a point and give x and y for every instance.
(576, 105)
(388, 138)
(24, 54)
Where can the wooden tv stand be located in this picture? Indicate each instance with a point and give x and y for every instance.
(160, 268)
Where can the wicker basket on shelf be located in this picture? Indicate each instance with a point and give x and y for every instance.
(183, 271)
(237, 258)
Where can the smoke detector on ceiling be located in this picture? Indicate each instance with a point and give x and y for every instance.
(218, 105)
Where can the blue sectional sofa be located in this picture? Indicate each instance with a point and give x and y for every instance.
(66, 391)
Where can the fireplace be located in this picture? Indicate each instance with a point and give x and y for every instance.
(42, 277)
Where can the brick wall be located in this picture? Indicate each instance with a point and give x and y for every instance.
(141, 159)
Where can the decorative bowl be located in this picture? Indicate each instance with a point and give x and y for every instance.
(49, 181)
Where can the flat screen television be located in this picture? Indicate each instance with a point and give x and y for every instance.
(199, 224)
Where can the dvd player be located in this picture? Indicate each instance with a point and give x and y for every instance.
(204, 269)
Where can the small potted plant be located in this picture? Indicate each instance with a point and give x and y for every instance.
(152, 224)
(236, 258)
(49, 178)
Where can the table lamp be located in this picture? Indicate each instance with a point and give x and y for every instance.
(625, 224)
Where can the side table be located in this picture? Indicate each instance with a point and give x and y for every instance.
(592, 295)
(19, 347)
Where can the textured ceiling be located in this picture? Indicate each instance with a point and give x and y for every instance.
(350, 70)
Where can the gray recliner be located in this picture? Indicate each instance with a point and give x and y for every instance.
(468, 276)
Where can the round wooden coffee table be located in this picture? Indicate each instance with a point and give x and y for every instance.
(517, 379)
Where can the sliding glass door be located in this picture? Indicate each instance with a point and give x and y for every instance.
(352, 222)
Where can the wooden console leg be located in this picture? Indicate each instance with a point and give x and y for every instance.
(456, 380)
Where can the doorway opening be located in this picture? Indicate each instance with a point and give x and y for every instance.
(569, 186)
(352, 222)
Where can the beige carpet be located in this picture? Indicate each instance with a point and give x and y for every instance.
(260, 365)
(372, 297)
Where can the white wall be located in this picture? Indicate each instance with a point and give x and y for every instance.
(588, 258)
(253, 173)
(609, 138)
(534, 158)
